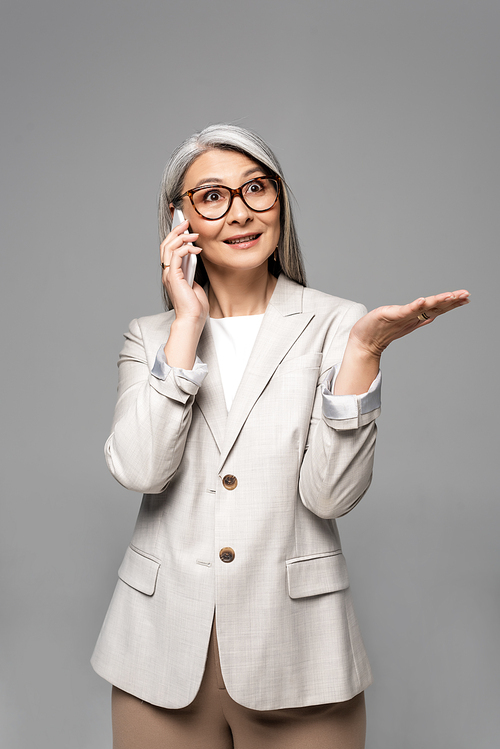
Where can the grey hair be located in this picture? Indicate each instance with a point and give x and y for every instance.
(231, 138)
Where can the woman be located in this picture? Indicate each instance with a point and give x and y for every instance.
(246, 416)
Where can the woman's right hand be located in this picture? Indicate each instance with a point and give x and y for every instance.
(190, 304)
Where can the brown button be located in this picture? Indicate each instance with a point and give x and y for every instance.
(230, 482)
(226, 554)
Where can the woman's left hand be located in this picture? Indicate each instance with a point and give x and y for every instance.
(371, 335)
(377, 329)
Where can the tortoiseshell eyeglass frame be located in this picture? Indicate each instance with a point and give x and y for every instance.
(232, 194)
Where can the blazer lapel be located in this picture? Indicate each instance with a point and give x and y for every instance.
(282, 324)
(210, 397)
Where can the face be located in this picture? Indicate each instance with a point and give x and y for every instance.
(242, 239)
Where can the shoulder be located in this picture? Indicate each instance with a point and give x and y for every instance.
(148, 334)
(321, 303)
(152, 324)
(292, 298)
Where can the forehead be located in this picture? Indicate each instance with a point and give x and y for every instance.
(220, 167)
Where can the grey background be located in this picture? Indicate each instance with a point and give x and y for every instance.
(385, 115)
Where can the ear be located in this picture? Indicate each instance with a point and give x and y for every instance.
(171, 206)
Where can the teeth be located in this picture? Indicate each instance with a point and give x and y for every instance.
(243, 239)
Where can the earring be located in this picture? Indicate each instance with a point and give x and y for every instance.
(275, 256)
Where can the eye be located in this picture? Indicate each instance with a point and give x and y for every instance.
(255, 186)
(212, 196)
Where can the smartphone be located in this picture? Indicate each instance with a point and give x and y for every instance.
(188, 265)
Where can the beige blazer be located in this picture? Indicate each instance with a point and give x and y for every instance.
(264, 483)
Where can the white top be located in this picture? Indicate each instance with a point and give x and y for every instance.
(234, 338)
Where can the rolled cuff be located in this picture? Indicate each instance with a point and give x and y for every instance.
(350, 411)
(161, 369)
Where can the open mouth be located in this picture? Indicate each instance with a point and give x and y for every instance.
(242, 240)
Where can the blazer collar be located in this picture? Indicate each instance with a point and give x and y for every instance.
(283, 323)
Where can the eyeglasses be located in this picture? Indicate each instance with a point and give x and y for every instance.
(214, 201)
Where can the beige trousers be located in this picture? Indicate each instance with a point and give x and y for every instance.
(215, 721)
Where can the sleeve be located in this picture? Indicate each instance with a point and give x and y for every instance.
(337, 465)
(350, 411)
(161, 369)
(152, 417)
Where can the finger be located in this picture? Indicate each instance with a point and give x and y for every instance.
(461, 297)
(177, 231)
(172, 241)
(448, 296)
(430, 307)
(436, 305)
(184, 250)
(185, 240)
(180, 228)
(422, 322)
(174, 270)
(413, 309)
(433, 306)
(445, 302)
(168, 246)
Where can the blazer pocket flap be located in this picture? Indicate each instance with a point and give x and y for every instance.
(139, 571)
(315, 575)
(298, 363)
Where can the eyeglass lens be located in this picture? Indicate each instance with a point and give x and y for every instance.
(259, 195)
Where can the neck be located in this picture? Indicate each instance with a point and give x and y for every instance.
(234, 294)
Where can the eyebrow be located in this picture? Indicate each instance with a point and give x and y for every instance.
(217, 180)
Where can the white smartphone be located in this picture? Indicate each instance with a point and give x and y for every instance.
(188, 265)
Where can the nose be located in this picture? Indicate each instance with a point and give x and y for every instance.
(239, 213)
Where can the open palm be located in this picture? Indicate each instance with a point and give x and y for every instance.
(377, 329)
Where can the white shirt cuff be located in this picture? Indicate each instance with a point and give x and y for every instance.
(349, 406)
(161, 369)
